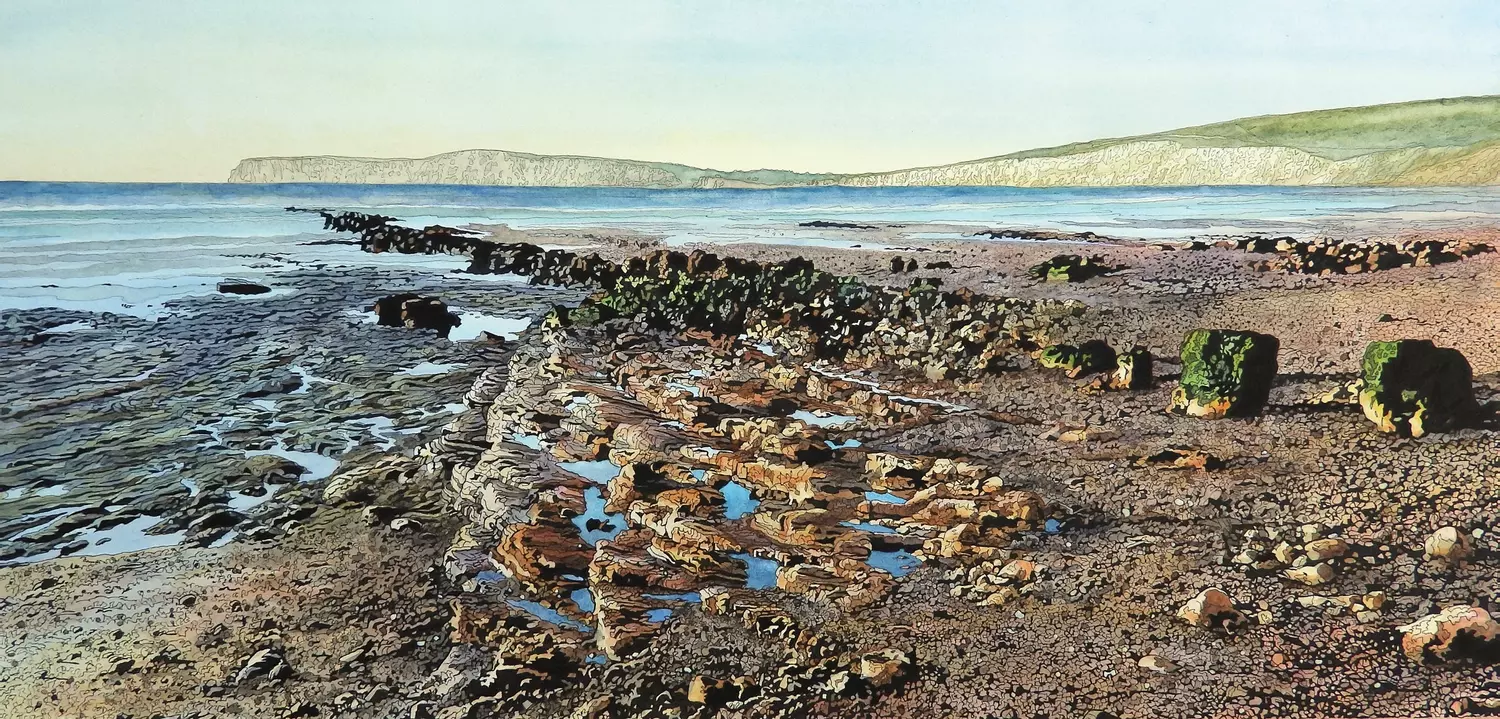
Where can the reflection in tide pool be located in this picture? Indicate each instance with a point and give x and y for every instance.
(428, 369)
(599, 471)
(548, 615)
(832, 420)
(760, 573)
(737, 501)
(898, 562)
(868, 527)
(526, 440)
(471, 324)
(884, 497)
(242, 501)
(128, 537)
(657, 616)
(608, 526)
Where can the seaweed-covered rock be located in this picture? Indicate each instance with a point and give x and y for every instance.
(416, 312)
(1412, 387)
(1087, 358)
(1225, 373)
(1072, 268)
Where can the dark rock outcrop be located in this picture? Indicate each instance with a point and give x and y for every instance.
(415, 312)
(1329, 257)
(1088, 358)
(1412, 387)
(1072, 268)
(242, 287)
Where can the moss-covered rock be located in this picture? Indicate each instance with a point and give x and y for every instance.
(1071, 268)
(1088, 358)
(1412, 387)
(1225, 373)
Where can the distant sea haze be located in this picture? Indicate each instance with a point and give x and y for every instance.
(129, 247)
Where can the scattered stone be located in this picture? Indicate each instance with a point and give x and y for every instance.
(1323, 549)
(884, 667)
(1312, 575)
(1157, 663)
(265, 664)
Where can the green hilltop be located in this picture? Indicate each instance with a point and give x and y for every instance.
(1336, 134)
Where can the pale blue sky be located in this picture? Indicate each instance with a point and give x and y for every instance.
(158, 90)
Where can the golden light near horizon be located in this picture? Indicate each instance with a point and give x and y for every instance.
(180, 91)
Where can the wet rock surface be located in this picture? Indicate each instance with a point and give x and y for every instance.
(226, 414)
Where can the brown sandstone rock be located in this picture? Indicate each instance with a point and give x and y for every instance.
(1212, 608)
(1454, 633)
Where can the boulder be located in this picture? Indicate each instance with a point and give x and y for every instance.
(1412, 387)
(1087, 358)
(1225, 373)
(1458, 632)
(1212, 609)
(242, 287)
(1071, 268)
(530, 552)
(415, 312)
(1132, 370)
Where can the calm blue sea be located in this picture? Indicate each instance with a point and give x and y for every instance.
(129, 247)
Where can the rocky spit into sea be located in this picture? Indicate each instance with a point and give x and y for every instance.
(715, 484)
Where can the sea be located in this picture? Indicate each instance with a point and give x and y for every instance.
(128, 248)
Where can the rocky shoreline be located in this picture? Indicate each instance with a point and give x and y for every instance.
(727, 484)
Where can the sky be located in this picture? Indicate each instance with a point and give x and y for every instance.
(157, 90)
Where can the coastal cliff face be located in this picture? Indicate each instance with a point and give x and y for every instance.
(500, 167)
(1453, 142)
(1168, 162)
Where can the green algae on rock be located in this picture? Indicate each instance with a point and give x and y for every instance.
(1225, 373)
(1072, 268)
(1087, 358)
(1132, 370)
(1412, 387)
